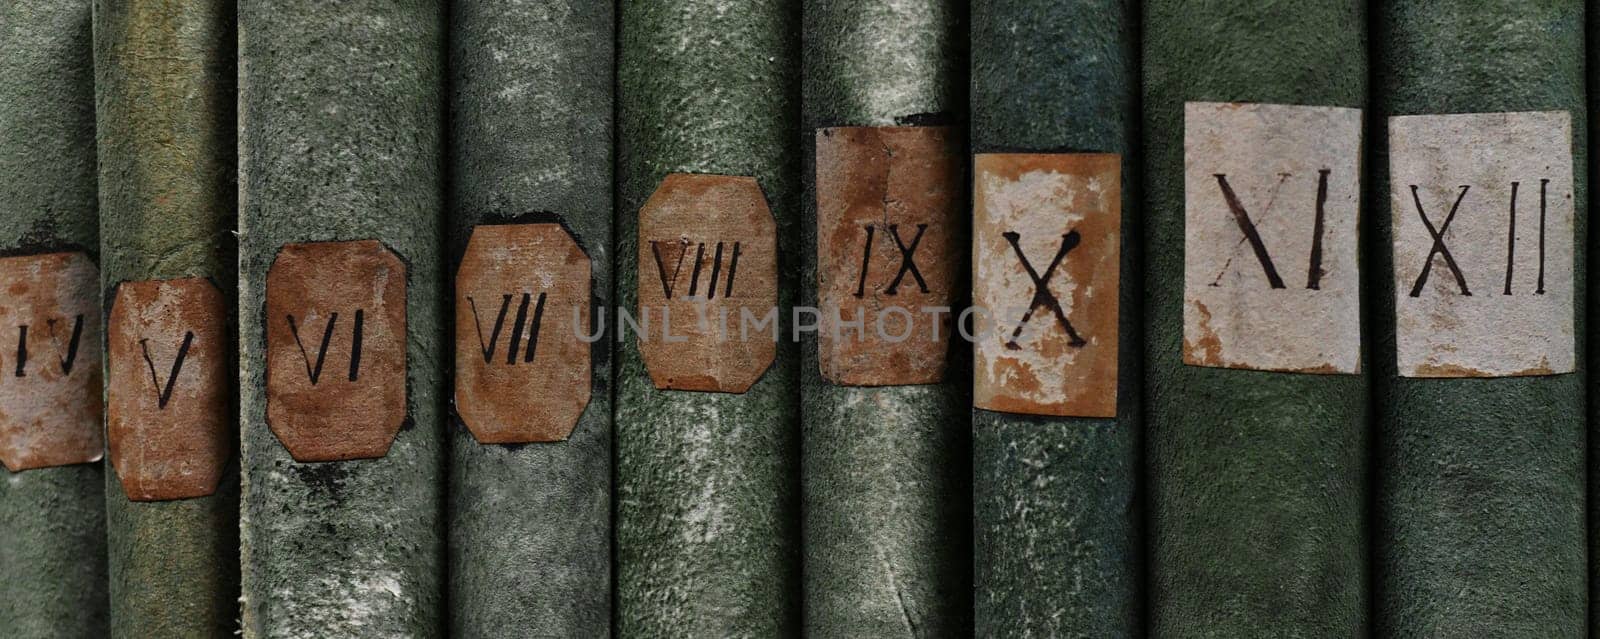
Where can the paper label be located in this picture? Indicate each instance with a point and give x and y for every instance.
(522, 314)
(168, 415)
(707, 262)
(50, 404)
(1482, 214)
(889, 246)
(1272, 199)
(1046, 274)
(336, 349)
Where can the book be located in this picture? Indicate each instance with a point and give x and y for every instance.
(1481, 461)
(886, 438)
(1255, 393)
(165, 110)
(530, 212)
(340, 298)
(707, 429)
(1056, 455)
(52, 502)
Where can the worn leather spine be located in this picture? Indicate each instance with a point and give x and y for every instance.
(1481, 481)
(1055, 506)
(52, 519)
(165, 96)
(708, 496)
(886, 498)
(531, 141)
(340, 126)
(1257, 480)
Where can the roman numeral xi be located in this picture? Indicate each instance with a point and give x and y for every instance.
(1247, 226)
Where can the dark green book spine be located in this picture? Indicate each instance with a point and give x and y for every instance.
(1257, 480)
(708, 521)
(52, 519)
(1056, 513)
(340, 140)
(1481, 481)
(165, 96)
(531, 141)
(886, 497)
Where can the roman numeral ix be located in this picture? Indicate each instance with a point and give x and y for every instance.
(908, 263)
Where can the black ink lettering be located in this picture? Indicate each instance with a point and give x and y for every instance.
(1314, 271)
(164, 394)
(1542, 184)
(22, 350)
(661, 268)
(1511, 238)
(1042, 296)
(866, 259)
(1242, 218)
(322, 352)
(488, 349)
(1439, 247)
(908, 262)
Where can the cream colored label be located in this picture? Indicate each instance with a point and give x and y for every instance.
(1271, 208)
(1483, 244)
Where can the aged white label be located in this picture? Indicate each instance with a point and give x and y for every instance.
(1483, 244)
(1271, 208)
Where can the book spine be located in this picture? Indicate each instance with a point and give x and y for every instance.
(165, 103)
(1257, 480)
(884, 473)
(1486, 473)
(530, 142)
(53, 519)
(1056, 512)
(708, 522)
(339, 177)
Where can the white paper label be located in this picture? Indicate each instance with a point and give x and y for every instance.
(1271, 209)
(1483, 244)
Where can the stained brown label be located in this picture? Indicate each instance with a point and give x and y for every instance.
(522, 317)
(1484, 234)
(167, 386)
(50, 404)
(888, 248)
(336, 349)
(708, 271)
(1047, 247)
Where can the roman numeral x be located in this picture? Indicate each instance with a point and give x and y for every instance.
(1042, 296)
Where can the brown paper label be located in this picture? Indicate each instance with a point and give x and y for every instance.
(1046, 248)
(336, 349)
(167, 412)
(708, 272)
(1272, 196)
(888, 248)
(50, 403)
(1482, 214)
(522, 314)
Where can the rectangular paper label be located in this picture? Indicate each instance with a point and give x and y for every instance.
(1483, 244)
(1272, 278)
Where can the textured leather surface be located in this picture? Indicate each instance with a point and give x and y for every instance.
(1056, 513)
(1481, 481)
(1258, 481)
(530, 140)
(52, 520)
(708, 521)
(165, 95)
(886, 494)
(340, 126)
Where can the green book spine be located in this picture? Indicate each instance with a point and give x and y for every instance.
(53, 519)
(1056, 513)
(1257, 480)
(708, 522)
(886, 498)
(531, 141)
(340, 140)
(165, 96)
(1481, 481)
